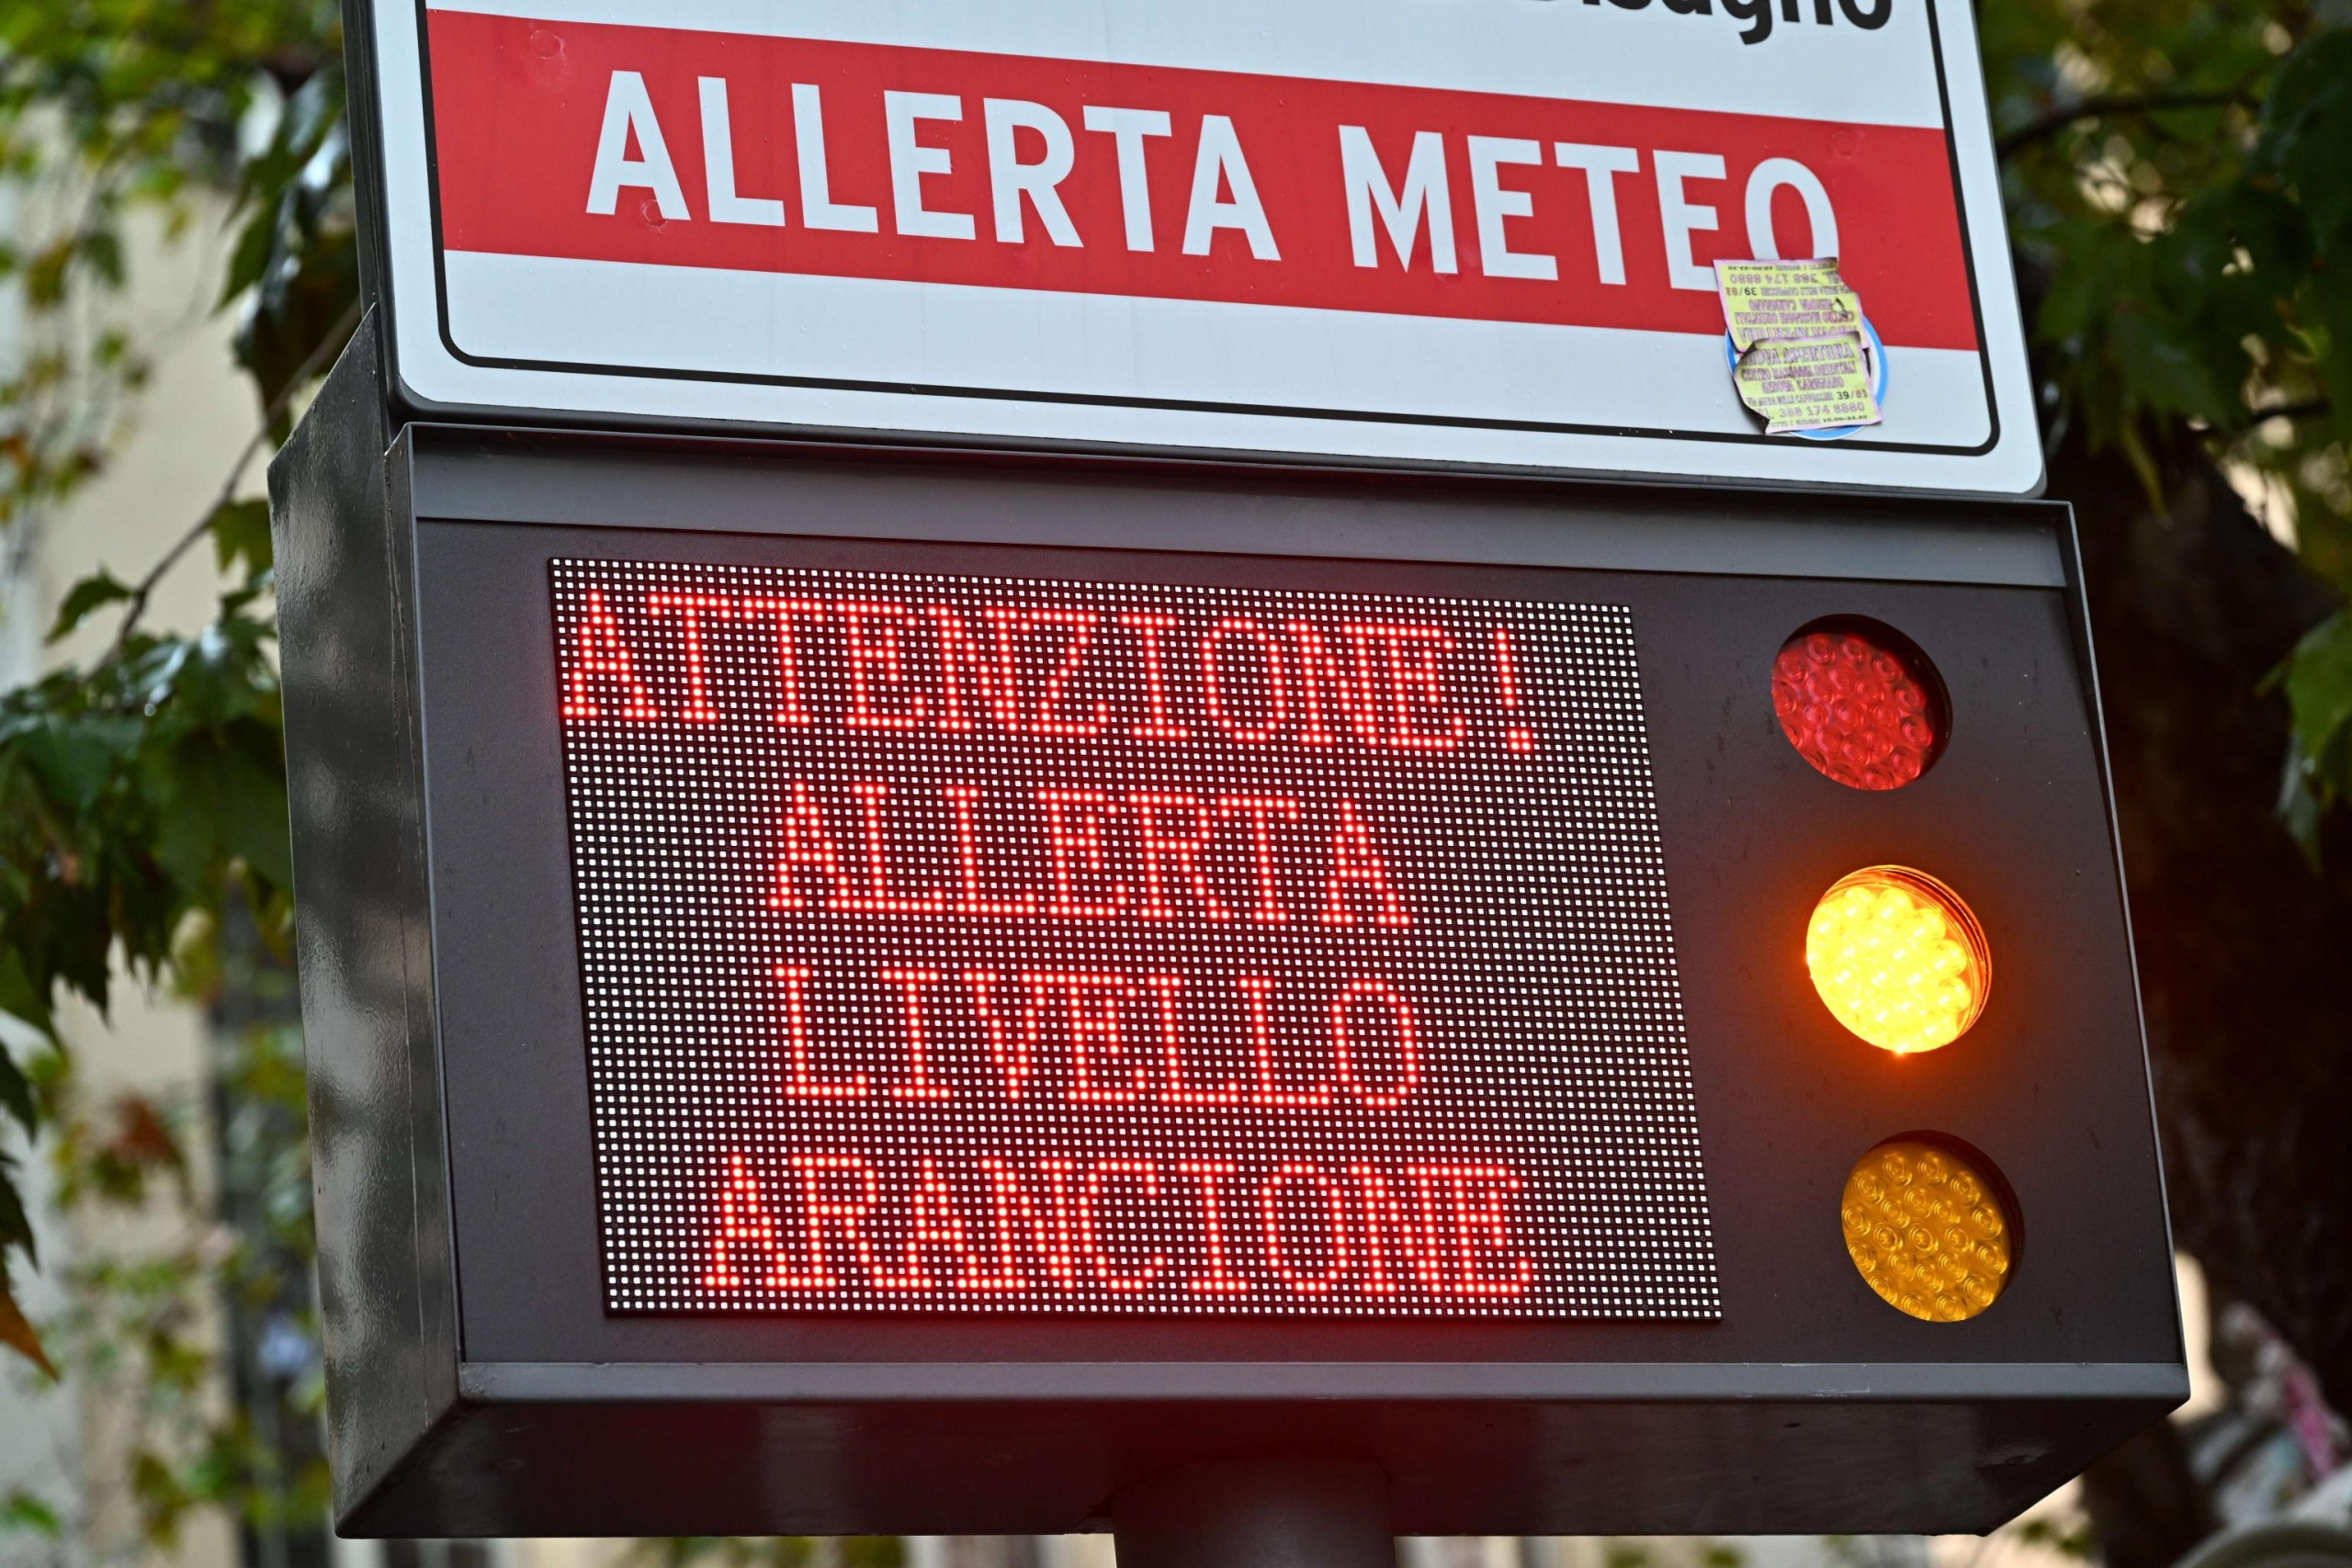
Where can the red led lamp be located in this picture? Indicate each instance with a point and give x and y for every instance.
(1861, 703)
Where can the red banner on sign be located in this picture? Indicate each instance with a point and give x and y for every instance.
(665, 147)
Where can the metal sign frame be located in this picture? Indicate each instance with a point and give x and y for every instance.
(478, 1387)
(436, 369)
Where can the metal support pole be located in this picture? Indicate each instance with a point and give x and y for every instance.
(1264, 1511)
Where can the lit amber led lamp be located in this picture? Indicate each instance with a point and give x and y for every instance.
(1926, 1231)
(1898, 958)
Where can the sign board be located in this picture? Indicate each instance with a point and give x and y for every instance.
(1473, 233)
(851, 995)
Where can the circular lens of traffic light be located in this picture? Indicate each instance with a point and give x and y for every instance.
(1861, 703)
(1899, 959)
(1928, 1228)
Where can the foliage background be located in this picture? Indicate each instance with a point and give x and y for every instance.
(2179, 187)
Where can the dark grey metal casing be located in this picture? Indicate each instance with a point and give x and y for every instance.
(476, 1386)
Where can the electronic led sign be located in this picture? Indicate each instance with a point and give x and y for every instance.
(965, 944)
(893, 993)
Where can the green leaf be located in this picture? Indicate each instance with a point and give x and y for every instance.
(21, 1510)
(2327, 312)
(17, 1093)
(75, 758)
(95, 591)
(45, 274)
(20, 998)
(240, 533)
(250, 258)
(2318, 678)
(2161, 352)
(2319, 685)
(2308, 125)
(16, 1228)
(218, 804)
(102, 252)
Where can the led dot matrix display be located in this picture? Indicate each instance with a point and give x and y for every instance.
(979, 944)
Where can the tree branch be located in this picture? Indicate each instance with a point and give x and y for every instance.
(2304, 408)
(2110, 106)
(144, 589)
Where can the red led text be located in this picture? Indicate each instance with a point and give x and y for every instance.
(1070, 672)
(1071, 853)
(1010, 1226)
(992, 944)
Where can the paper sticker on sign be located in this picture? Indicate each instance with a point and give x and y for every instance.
(1799, 337)
(1784, 300)
(1808, 383)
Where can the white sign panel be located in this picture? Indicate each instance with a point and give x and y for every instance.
(1463, 231)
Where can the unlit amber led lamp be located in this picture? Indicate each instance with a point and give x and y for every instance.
(1926, 1231)
(1898, 958)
